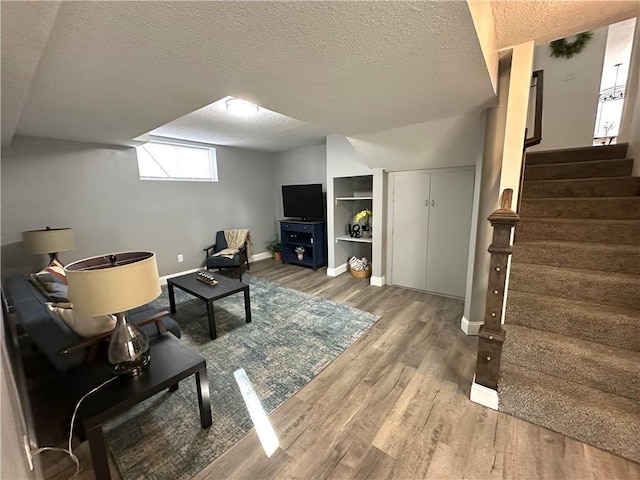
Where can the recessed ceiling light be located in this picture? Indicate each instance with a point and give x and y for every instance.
(241, 108)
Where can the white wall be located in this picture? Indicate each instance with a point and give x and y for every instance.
(516, 123)
(630, 128)
(571, 87)
(482, 16)
(634, 136)
(96, 190)
(446, 142)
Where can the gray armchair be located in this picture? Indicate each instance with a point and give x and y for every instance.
(223, 262)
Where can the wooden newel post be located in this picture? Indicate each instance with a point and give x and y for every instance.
(491, 334)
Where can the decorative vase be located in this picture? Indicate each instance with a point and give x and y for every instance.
(277, 256)
(300, 256)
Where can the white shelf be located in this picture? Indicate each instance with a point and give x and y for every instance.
(347, 238)
(353, 198)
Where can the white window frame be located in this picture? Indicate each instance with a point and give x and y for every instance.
(213, 164)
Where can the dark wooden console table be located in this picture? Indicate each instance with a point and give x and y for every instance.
(171, 361)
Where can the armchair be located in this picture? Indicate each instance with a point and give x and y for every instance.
(215, 257)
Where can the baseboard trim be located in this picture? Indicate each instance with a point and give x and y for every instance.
(470, 328)
(260, 256)
(339, 270)
(377, 281)
(163, 280)
(487, 397)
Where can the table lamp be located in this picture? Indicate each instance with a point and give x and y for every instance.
(50, 241)
(114, 284)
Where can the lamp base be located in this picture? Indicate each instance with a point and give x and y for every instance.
(128, 347)
(133, 367)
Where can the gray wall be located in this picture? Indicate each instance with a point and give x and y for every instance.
(95, 189)
(474, 310)
(296, 167)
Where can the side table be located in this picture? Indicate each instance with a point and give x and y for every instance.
(171, 361)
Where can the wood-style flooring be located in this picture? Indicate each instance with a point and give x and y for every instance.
(395, 405)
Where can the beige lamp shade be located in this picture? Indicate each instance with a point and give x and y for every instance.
(49, 240)
(113, 283)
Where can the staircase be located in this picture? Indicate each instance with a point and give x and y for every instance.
(571, 359)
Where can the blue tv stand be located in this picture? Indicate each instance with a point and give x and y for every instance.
(310, 235)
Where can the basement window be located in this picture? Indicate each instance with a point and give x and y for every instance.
(174, 161)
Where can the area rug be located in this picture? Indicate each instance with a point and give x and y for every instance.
(292, 337)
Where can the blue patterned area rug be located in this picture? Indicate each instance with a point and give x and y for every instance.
(292, 337)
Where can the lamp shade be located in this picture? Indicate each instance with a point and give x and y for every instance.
(49, 240)
(113, 283)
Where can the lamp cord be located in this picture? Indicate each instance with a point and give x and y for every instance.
(69, 450)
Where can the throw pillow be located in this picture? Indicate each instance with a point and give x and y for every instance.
(84, 326)
(52, 282)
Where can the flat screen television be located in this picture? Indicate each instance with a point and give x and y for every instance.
(303, 201)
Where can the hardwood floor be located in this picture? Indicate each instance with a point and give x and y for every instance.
(396, 405)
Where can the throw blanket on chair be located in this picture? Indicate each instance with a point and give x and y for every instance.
(235, 240)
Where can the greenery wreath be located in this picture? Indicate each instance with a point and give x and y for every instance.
(562, 48)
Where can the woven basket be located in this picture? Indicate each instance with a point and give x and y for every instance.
(361, 273)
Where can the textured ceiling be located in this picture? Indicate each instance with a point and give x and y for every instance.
(21, 51)
(546, 20)
(112, 71)
(108, 72)
(266, 130)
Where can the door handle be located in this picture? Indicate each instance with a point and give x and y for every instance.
(433, 203)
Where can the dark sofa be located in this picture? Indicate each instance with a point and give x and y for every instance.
(50, 333)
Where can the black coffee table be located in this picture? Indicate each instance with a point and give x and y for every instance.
(208, 294)
(171, 361)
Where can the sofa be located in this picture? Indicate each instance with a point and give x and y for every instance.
(50, 333)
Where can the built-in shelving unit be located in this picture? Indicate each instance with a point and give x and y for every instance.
(351, 199)
(347, 238)
(351, 195)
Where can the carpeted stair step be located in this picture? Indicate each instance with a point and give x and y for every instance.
(590, 256)
(606, 368)
(620, 167)
(625, 232)
(614, 326)
(604, 288)
(621, 208)
(583, 187)
(607, 421)
(581, 154)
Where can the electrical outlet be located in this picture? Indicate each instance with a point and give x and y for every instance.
(27, 450)
(180, 258)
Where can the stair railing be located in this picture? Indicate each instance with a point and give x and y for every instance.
(491, 334)
(537, 82)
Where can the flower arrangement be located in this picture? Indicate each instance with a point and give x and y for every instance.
(363, 215)
(299, 250)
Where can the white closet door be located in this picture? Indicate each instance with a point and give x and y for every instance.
(449, 231)
(410, 224)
